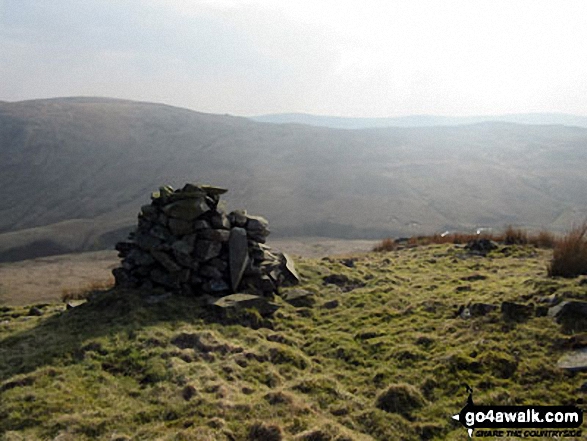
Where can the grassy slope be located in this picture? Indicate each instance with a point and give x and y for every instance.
(119, 366)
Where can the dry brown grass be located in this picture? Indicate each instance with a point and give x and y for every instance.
(570, 254)
(390, 244)
(83, 292)
(544, 239)
(511, 236)
(385, 245)
(515, 236)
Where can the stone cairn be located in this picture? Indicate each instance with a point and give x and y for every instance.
(186, 244)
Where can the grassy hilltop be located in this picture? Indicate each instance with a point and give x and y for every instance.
(381, 355)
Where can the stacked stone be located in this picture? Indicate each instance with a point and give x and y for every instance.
(186, 243)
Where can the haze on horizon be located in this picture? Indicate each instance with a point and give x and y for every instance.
(341, 58)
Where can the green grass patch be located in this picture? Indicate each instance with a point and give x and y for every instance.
(388, 361)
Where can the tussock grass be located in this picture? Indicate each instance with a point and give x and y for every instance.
(401, 399)
(544, 239)
(515, 236)
(387, 244)
(570, 254)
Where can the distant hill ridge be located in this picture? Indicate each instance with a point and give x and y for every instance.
(336, 122)
(75, 172)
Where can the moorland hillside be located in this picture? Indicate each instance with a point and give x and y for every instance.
(75, 171)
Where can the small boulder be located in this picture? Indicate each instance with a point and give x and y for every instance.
(345, 283)
(331, 304)
(481, 246)
(476, 310)
(34, 311)
(516, 312)
(572, 315)
(299, 298)
(349, 263)
(474, 277)
(481, 309)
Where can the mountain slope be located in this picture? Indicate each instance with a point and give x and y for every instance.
(84, 166)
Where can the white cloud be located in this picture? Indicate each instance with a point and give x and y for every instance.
(376, 58)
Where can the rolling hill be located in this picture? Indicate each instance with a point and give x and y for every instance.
(75, 172)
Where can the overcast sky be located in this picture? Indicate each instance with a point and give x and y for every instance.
(347, 58)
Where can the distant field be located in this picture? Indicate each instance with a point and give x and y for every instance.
(46, 279)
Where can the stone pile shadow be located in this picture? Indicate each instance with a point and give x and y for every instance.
(64, 335)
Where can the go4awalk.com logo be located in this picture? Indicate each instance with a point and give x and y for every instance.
(520, 421)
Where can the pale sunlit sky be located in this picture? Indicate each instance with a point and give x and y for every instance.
(344, 58)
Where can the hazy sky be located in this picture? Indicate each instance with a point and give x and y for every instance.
(348, 58)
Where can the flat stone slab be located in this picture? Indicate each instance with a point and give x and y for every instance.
(299, 298)
(238, 302)
(213, 190)
(574, 361)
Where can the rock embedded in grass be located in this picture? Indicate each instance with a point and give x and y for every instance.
(572, 315)
(516, 312)
(34, 311)
(238, 302)
(299, 298)
(574, 360)
(481, 246)
(331, 304)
